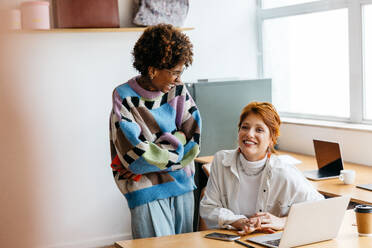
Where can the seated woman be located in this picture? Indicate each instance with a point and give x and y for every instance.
(249, 188)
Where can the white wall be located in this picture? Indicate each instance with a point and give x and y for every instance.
(56, 186)
(355, 145)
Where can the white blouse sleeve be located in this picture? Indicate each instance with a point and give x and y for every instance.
(212, 210)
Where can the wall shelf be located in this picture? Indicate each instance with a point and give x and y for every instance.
(91, 30)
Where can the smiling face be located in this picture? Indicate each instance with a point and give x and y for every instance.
(254, 137)
(165, 79)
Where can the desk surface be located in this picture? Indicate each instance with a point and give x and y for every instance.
(347, 237)
(330, 187)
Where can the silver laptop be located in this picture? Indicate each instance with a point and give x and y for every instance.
(365, 186)
(328, 158)
(308, 222)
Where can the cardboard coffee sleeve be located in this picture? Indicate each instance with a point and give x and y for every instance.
(363, 215)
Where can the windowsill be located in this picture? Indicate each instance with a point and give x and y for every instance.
(327, 124)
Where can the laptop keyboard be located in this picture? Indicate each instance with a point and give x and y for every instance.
(274, 242)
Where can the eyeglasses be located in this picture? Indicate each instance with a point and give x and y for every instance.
(175, 73)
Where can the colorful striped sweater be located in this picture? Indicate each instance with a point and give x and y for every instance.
(154, 138)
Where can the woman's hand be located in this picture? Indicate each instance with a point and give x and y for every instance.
(267, 222)
(243, 226)
(261, 222)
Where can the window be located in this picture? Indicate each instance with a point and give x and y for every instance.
(313, 52)
(280, 3)
(308, 56)
(367, 28)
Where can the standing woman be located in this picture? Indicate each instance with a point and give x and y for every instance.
(154, 134)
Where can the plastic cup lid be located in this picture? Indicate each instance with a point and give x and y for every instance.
(363, 209)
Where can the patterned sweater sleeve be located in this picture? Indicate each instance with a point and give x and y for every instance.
(140, 150)
(191, 127)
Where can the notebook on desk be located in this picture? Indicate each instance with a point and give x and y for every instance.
(328, 158)
(308, 222)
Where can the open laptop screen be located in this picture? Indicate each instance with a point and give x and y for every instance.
(328, 157)
(308, 222)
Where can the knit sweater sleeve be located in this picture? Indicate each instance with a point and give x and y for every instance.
(191, 125)
(140, 149)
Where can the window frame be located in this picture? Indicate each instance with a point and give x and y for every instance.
(356, 47)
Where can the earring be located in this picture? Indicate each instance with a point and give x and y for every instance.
(268, 152)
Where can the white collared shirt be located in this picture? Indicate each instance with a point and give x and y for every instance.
(281, 186)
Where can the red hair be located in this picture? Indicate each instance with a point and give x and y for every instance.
(269, 116)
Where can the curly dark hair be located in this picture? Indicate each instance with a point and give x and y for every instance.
(163, 47)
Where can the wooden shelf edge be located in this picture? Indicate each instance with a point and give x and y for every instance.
(90, 30)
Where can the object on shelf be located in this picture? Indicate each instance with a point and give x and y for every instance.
(150, 12)
(35, 15)
(14, 19)
(10, 19)
(86, 13)
(88, 30)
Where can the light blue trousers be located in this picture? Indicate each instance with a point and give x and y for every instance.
(163, 217)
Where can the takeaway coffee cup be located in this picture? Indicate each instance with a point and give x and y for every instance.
(347, 176)
(363, 215)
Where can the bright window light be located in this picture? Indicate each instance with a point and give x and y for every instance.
(281, 3)
(307, 58)
(367, 21)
